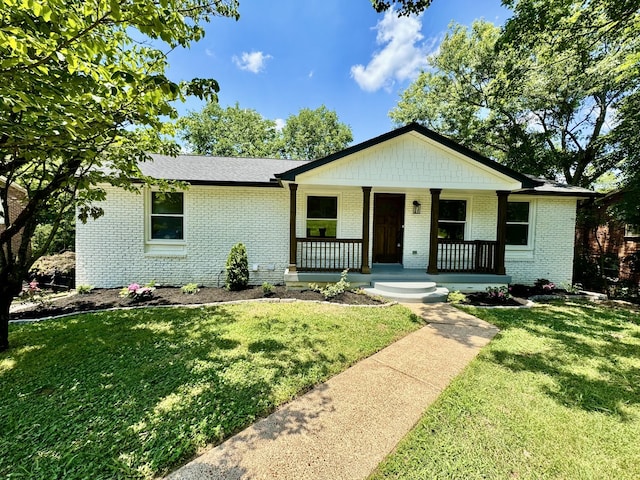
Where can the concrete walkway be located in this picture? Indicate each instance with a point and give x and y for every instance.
(345, 427)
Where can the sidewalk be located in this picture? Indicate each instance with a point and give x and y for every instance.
(345, 427)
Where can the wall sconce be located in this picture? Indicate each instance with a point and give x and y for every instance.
(416, 207)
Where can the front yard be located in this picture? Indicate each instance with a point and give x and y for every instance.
(131, 394)
(555, 395)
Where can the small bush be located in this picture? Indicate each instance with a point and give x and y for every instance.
(456, 297)
(237, 268)
(190, 289)
(84, 289)
(332, 290)
(135, 292)
(267, 289)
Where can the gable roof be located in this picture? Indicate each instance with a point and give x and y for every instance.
(527, 182)
(209, 170)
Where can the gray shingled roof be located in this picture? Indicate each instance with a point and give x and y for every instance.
(201, 169)
(552, 187)
(216, 170)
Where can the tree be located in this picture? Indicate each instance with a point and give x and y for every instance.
(83, 93)
(230, 132)
(314, 134)
(528, 108)
(240, 132)
(406, 7)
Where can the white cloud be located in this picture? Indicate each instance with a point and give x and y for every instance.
(310, 74)
(253, 62)
(209, 53)
(280, 123)
(401, 58)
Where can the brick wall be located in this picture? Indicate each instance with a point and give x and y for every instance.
(111, 251)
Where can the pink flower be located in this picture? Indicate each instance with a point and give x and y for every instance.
(134, 287)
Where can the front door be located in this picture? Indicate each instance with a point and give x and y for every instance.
(388, 225)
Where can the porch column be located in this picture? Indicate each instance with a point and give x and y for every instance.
(293, 243)
(433, 233)
(501, 231)
(366, 208)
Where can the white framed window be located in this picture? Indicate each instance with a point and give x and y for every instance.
(166, 216)
(630, 230)
(518, 223)
(322, 216)
(452, 219)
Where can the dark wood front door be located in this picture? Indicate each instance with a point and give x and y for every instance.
(388, 224)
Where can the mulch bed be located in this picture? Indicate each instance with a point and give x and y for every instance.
(100, 299)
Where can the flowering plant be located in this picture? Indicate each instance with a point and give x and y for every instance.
(31, 290)
(135, 292)
(547, 287)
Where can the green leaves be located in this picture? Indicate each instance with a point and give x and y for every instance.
(74, 89)
(540, 96)
(241, 132)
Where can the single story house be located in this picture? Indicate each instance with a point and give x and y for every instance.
(409, 204)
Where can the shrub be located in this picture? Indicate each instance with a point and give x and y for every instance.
(190, 288)
(237, 268)
(84, 289)
(332, 290)
(498, 293)
(456, 297)
(267, 289)
(135, 292)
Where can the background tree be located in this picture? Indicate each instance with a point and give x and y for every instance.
(230, 132)
(314, 134)
(82, 95)
(538, 112)
(240, 132)
(405, 7)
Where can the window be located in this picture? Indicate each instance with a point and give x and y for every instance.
(452, 219)
(629, 229)
(167, 216)
(518, 223)
(322, 216)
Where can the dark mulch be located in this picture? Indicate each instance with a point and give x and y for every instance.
(99, 299)
(482, 299)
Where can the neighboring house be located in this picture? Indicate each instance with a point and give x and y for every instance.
(613, 246)
(17, 199)
(409, 203)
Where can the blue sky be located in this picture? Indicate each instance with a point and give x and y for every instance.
(284, 55)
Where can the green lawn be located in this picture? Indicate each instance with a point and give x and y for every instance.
(555, 395)
(135, 393)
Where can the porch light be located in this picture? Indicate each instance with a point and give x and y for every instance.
(416, 207)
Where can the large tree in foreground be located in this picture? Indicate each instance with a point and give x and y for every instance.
(82, 93)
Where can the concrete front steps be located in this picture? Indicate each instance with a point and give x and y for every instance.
(409, 292)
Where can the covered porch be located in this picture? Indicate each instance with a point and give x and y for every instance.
(312, 258)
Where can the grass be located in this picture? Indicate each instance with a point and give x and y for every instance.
(555, 395)
(132, 394)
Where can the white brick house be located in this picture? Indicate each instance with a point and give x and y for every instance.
(409, 198)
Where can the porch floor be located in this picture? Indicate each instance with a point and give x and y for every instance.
(464, 282)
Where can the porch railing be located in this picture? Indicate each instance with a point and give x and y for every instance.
(329, 254)
(471, 256)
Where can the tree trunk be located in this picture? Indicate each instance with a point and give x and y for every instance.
(6, 297)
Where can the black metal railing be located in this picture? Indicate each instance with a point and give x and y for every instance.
(329, 254)
(469, 256)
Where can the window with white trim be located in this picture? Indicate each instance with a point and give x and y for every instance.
(518, 221)
(322, 216)
(630, 230)
(452, 219)
(166, 216)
